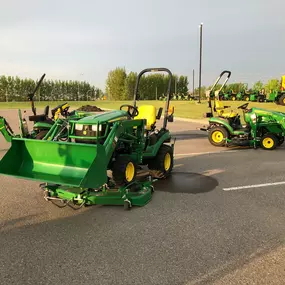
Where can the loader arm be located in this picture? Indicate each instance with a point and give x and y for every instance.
(6, 130)
(130, 132)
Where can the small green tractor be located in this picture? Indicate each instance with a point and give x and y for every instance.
(263, 128)
(43, 124)
(76, 172)
(278, 96)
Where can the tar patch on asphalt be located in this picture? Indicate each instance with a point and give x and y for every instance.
(186, 182)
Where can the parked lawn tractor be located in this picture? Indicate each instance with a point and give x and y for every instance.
(43, 124)
(261, 128)
(278, 96)
(75, 172)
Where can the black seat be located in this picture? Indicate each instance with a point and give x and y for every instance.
(40, 118)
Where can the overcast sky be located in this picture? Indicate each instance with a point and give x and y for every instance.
(85, 39)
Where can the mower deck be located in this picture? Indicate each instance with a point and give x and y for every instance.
(135, 194)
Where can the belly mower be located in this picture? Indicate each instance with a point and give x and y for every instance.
(76, 172)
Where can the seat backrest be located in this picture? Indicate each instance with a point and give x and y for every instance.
(219, 105)
(46, 111)
(147, 112)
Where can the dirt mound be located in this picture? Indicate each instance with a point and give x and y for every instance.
(89, 108)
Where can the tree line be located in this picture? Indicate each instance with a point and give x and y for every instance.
(17, 89)
(120, 85)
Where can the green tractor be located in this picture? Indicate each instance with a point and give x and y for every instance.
(43, 124)
(76, 172)
(278, 96)
(261, 127)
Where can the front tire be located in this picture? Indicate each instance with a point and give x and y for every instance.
(162, 164)
(269, 141)
(217, 136)
(124, 170)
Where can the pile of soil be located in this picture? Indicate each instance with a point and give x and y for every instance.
(89, 108)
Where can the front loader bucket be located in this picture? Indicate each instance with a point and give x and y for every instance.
(71, 164)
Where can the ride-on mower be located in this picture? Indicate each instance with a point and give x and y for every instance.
(43, 124)
(75, 172)
(278, 96)
(261, 128)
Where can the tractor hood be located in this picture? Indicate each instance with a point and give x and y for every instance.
(279, 117)
(267, 112)
(111, 116)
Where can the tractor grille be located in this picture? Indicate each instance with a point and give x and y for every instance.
(88, 132)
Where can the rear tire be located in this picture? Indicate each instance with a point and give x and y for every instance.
(161, 165)
(217, 136)
(269, 141)
(124, 170)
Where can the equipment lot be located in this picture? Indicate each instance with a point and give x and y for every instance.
(198, 227)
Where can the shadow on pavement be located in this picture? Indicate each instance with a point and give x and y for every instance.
(186, 182)
(189, 135)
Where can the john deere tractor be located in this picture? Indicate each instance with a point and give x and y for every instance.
(99, 161)
(260, 129)
(278, 96)
(43, 124)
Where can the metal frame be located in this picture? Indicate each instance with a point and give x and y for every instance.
(136, 92)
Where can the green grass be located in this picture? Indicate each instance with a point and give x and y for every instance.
(184, 109)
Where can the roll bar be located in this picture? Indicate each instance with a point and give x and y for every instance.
(218, 79)
(136, 92)
(31, 95)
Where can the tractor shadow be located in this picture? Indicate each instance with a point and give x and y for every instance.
(183, 183)
(187, 183)
(188, 135)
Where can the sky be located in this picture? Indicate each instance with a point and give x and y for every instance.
(84, 40)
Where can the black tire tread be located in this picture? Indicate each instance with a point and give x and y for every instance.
(156, 165)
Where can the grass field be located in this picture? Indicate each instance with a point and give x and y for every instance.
(183, 109)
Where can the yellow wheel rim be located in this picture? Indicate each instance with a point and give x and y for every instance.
(217, 136)
(234, 98)
(130, 171)
(246, 99)
(284, 100)
(167, 161)
(268, 142)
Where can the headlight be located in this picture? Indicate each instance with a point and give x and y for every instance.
(253, 117)
(94, 128)
(78, 127)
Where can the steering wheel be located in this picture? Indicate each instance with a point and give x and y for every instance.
(243, 106)
(132, 110)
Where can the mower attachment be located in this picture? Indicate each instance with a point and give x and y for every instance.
(135, 194)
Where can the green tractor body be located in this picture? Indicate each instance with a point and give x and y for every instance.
(76, 170)
(262, 127)
(278, 96)
(43, 124)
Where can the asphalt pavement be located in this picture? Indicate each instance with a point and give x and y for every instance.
(217, 220)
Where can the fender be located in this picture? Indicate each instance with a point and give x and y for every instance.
(152, 150)
(42, 125)
(221, 122)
